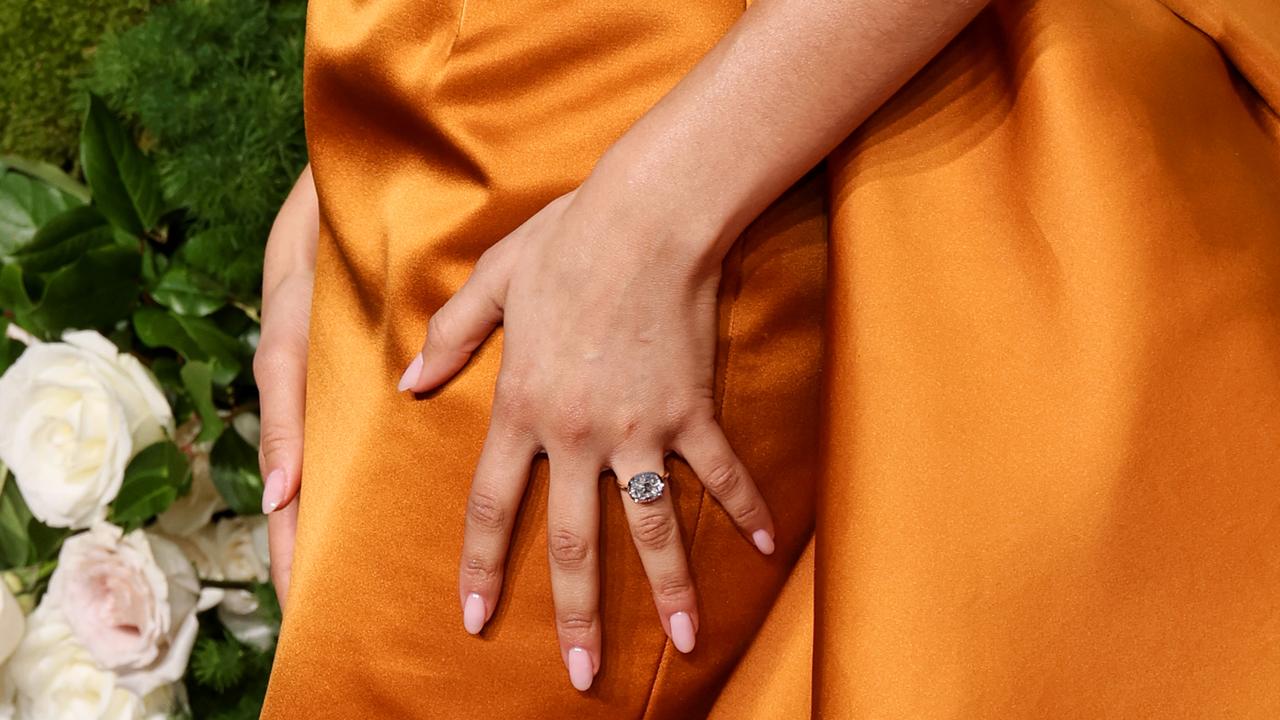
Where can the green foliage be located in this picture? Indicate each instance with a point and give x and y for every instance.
(235, 473)
(122, 180)
(28, 202)
(223, 669)
(219, 664)
(24, 540)
(44, 47)
(153, 480)
(224, 117)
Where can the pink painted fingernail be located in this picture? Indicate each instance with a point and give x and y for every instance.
(580, 673)
(411, 373)
(682, 635)
(273, 491)
(763, 541)
(473, 614)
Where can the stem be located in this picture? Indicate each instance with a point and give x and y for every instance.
(227, 584)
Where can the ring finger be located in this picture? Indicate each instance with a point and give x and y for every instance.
(656, 533)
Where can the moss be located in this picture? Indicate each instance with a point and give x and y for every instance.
(215, 87)
(44, 47)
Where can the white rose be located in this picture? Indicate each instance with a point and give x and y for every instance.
(131, 601)
(241, 547)
(56, 678)
(201, 551)
(72, 415)
(12, 625)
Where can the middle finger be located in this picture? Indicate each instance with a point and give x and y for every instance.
(573, 527)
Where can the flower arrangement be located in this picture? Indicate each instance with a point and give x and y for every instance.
(136, 579)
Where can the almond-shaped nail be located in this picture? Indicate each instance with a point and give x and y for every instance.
(273, 491)
(473, 614)
(411, 373)
(682, 633)
(763, 541)
(580, 673)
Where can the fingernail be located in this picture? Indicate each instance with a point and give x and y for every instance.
(411, 373)
(763, 541)
(682, 635)
(272, 491)
(473, 614)
(580, 669)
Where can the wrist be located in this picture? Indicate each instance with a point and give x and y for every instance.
(648, 199)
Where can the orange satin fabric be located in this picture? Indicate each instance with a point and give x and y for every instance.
(1042, 444)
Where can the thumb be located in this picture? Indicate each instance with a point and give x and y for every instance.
(460, 325)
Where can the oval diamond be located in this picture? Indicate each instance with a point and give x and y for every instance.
(645, 487)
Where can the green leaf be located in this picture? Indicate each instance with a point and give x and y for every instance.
(234, 465)
(48, 174)
(15, 547)
(159, 329)
(97, 290)
(63, 239)
(13, 289)
(224, 350)
(197, 378)
(9, 349)
(25, 205)
(124, 183)
(188, 292)
(194, 338)
(152, 481)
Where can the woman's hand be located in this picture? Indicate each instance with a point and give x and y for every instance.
(608, 359)
(280, 367)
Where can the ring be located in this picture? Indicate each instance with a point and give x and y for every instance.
(646, 487)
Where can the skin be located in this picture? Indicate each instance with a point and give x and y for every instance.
(579, 380)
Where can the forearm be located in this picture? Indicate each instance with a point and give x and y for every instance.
(789, 81)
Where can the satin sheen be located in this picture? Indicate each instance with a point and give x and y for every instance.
(1007, 371)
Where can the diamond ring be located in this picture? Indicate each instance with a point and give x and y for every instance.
(646, 487)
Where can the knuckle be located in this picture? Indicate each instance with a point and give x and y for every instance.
(672, 589)
(277, 440)
(439, 331)
(569, 550)
(724, 478)
(653, 531)
(485, 512)
(270, 362)
(575, 622)
(747, 514)
(487, 262)
(512, 404)
(478, 571)
(574, 427)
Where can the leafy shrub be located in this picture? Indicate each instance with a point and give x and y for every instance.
(216, 89)
(44, 46)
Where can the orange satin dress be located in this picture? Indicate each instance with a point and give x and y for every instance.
(1007, 370)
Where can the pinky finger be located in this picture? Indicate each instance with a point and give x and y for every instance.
(707, 451)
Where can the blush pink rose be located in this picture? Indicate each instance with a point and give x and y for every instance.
(131, 601)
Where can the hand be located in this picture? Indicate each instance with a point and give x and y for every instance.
(280, 368)
(608, 363)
